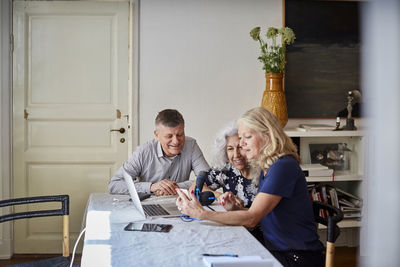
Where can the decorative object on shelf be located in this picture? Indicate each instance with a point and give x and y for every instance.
(335, 156)
(273, 59)
(353, 97)
(337, 128)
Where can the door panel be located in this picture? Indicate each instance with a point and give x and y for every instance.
(70, 86)
(89, 38)
(69, 134)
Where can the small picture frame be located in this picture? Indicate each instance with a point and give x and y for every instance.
(335, 156)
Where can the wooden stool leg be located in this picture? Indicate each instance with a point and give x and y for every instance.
(330, 254)
(65, 224)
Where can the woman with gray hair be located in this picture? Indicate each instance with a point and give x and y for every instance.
(230, 170)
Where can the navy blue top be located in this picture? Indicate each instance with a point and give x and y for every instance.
(290, 225)
(230, 179)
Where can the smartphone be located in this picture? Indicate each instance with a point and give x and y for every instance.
(148, 227)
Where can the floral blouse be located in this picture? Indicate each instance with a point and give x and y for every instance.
(230, 179)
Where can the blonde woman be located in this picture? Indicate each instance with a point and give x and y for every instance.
(282, 205)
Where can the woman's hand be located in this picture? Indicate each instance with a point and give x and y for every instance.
(191, 207)
(230, 202)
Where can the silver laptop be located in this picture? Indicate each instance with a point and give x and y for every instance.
(150, 210)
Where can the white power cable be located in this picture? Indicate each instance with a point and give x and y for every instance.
(76, 244)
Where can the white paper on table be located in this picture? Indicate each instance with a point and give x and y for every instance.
(252, 261)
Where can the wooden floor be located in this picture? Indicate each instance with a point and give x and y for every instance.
(344, 256)
(22, 258)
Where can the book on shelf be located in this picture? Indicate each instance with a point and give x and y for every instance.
(347, 203)
(352, 215)
(313, 166)
(348, 209)
(315, 127)
(349, 197)
(334, 198)
(317, 196)
(316, 169)
(324, 194)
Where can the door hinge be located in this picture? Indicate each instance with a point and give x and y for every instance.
(11, 43)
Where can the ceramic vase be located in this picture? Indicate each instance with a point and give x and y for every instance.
(274, 98)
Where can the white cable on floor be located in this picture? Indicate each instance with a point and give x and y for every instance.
(76, 244)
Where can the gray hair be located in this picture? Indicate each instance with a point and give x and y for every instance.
(169, 118)
(220, 159)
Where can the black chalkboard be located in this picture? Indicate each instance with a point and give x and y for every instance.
(324, 62)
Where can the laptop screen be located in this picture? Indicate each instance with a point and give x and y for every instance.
(133, 193)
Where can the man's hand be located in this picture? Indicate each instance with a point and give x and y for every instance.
(230, 202)
(164, 187)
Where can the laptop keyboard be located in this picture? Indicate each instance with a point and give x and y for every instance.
(154, 210)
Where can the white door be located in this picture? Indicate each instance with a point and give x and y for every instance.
(70, 87)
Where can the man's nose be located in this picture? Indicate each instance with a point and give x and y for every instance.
(175, 139)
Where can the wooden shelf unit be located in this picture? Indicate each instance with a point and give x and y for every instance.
(349, 180)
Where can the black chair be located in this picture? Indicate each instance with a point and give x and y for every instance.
(64, 212)
(333, 216)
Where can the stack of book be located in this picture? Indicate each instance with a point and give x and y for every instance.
(316, 127)
(348, 203)
(316, 169)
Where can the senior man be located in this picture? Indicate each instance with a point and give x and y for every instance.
(163, 163)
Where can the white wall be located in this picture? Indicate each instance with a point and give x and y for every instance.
(197, 56)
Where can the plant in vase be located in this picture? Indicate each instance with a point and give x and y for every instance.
(273, 59)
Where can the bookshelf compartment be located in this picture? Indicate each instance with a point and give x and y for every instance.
(349, 236)
(346, 223)
(351, 158)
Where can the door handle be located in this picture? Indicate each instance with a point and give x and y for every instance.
(121, 130)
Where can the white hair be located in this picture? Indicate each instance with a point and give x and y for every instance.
(220, 159)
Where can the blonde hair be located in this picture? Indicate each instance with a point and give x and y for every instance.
(279, 144)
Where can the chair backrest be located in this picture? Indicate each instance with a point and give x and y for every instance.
(63, 211)
(332, 216)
